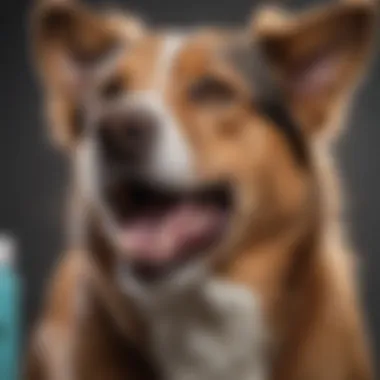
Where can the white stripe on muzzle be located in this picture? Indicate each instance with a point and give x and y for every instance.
(171, 163)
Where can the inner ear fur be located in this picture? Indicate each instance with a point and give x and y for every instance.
(317, 56)
(68, 38)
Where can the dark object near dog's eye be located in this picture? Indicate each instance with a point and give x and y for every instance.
(112, 88)
(211, 90)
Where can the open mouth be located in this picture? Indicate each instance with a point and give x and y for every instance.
(160, 230)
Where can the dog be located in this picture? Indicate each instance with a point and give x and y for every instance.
(205, 231)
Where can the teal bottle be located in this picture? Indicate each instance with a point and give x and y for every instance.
(9, 311)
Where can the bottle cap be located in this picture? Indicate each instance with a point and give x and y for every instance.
(7, 250)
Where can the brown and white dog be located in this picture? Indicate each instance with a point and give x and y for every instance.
(205, 216)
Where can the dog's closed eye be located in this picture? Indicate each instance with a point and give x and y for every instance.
(211, 90)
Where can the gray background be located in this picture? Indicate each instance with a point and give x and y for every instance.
(33, 175)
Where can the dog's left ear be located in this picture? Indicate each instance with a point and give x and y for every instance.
(317, 56)
(70, 41)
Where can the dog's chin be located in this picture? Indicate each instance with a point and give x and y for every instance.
(165, 235)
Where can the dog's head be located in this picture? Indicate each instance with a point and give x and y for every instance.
(189, 143)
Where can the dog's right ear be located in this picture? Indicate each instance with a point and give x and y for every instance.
(68, 40)
(318, 57)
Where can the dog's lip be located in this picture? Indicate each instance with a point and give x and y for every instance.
(160, 229)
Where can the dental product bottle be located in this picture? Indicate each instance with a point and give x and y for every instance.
(9, 310)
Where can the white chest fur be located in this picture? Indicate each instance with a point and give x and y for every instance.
(213, 333)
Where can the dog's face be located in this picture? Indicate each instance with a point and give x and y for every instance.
(190, 143)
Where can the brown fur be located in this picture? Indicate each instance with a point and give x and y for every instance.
(292, 253)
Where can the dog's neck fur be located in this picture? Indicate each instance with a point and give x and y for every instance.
(212, 330)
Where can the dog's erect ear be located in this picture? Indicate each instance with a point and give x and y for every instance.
(69, 40)
(317, 56)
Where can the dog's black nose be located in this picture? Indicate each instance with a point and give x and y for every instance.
(126, 137)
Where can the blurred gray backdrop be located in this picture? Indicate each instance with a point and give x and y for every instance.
(33, 175)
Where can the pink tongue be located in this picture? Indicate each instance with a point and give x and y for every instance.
(158, 238)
